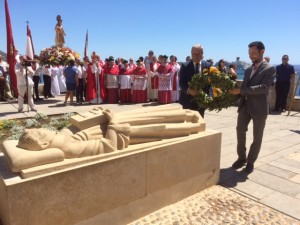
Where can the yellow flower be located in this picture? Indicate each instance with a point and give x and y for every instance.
(213, 69)
(76, 55)
(216, 91)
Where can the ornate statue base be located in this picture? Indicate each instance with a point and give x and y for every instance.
(112, 188)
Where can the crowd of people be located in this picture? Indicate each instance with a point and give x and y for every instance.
(95, 81)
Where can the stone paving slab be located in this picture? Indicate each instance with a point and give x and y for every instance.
(216, 205)
(278, 158)
(276, 183)
(284, 203)
(286, 167)
(249, 188)
(277, 171)
(289, 162)
(296, 179)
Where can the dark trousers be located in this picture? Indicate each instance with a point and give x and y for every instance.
(47, 86)
(243, 121)
(80, 91)
(36, 81)
(282, 90)
(2, 88)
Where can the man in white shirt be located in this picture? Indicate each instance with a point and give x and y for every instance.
(81, 81)
(46, 70)
(25, 84)
(17, 56)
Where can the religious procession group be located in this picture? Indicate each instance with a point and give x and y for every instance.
(116, 81)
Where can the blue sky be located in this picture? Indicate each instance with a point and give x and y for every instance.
(131, 28)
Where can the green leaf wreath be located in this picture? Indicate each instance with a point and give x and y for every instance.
(220, 84)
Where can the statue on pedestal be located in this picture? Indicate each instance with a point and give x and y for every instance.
(59, 33)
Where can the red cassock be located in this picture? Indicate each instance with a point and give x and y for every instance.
(154, 80)
(139, 86)
(164, 83)
(112, 83)
(90, 84)
(125, 78)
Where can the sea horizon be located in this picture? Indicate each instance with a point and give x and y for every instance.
(297, 70)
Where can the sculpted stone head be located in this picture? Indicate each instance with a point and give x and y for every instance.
(36, 139)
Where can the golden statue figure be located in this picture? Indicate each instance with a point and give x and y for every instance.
(59, 33)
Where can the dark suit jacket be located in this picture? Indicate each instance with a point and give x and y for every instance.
(255, 90)
(187, 71)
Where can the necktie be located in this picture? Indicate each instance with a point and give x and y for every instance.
(253, 70)
(197, 67)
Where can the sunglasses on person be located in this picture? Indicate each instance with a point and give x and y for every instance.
(284, 58)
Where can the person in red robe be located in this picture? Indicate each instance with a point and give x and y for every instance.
(175, 78)
(139, 86)
(95, 87)
(90, 80)
(164, 73)
(111, 73)
(101, 63)
(125, 83)
(153, 79)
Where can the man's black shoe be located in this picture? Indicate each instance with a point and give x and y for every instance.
(239, 163)
(249, 168)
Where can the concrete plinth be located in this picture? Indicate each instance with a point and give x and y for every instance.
(116, 189)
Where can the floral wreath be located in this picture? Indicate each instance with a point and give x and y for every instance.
(57, 56)
(219, 85)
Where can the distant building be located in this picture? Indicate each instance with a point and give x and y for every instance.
(241, 67)
(3, 55)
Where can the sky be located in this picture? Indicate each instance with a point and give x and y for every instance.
(168, 27)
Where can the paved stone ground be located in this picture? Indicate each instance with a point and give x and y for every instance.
(216, 205)
(275, 181)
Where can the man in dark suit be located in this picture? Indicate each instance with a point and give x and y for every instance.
(284, 73)
(187, 71)
(254, 105)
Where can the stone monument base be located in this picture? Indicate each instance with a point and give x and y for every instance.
(116, 189)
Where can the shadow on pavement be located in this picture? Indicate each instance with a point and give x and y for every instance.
(296, 131)
(230, 177)
(9, 113)
(47, 101)
(151, 104)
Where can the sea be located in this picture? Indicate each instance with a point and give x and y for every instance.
(297, 70)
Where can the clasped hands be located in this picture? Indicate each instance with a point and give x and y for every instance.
(191, 92)
(235, 91)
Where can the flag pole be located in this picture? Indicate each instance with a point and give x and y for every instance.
(86, 44)
(10, 54)
(26, 75)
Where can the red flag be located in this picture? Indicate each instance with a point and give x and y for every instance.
(11, 59)
(29, 46)
(86, 45)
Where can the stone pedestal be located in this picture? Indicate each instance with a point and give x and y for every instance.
(112, 190)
